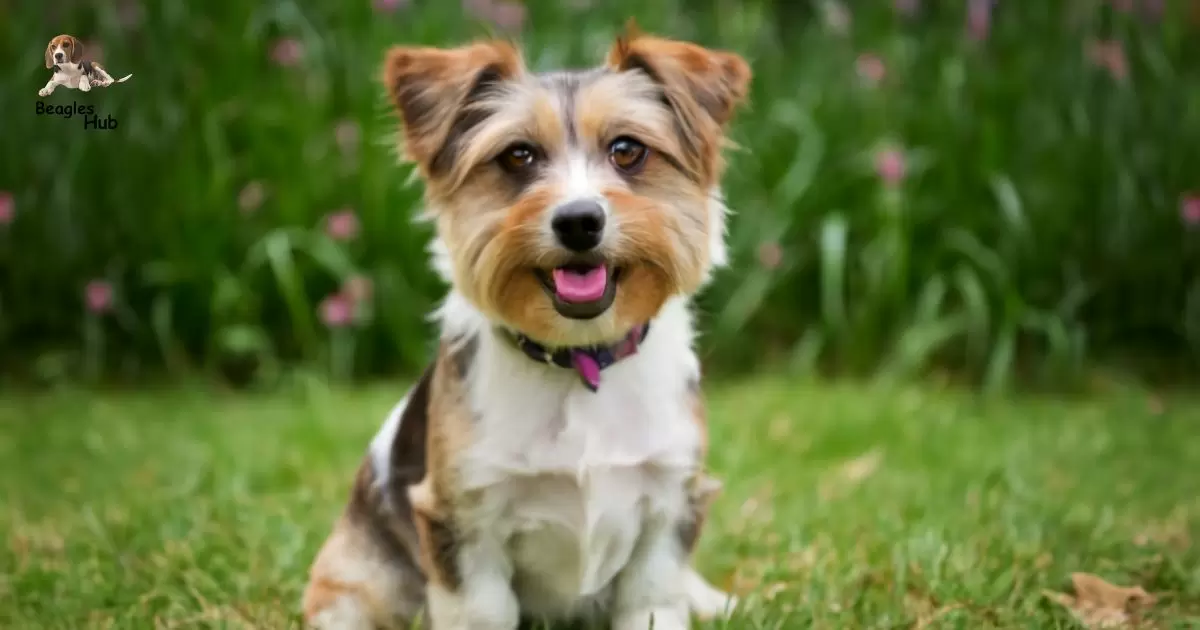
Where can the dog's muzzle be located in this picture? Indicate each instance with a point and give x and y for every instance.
(58, 56)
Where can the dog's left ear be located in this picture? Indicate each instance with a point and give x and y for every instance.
(697, 81)
(76, 50)
(50, 55)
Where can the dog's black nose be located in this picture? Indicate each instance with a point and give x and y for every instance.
(579, 224)
(58, 56)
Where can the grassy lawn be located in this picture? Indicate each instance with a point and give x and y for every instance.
(845, 505)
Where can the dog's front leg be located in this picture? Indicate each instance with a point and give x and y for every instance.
(49, 89)
(650, 589)
(470, 579)
(84, 85)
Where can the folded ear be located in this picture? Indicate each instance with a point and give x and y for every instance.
(76, 50)
(50, 55)
(430, 87)
(697, 80)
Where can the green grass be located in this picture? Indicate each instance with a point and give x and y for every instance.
(845, 505)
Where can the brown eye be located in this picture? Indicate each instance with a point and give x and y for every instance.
(518, 157)
(627, 154)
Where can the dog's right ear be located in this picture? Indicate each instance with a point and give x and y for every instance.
(50, 55)
(430, 86)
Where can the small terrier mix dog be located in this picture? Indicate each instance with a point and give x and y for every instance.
(65, 55)
(549, 465)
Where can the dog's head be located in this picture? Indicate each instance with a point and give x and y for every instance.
(571, 205)
(63, 49)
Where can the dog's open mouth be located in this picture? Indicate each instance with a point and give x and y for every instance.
(583, 289)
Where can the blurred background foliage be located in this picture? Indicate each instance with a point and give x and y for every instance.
(994, 189)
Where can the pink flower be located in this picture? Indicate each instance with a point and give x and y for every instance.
(838, 18)
(98, 297)
(979, 19)
(8, 208)
(770, 255)
(1123, 6)
(287, 52)
(93, 51)
(870, 67)
(389, 6)
(1110, 55)
(507, 15)
(337, 310)
(891, 166)
(251, 197)
(358, 288)
(1189, 210)
(906, 7)
(342, 225)
(346, 134)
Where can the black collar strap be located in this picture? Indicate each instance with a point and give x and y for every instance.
(588, 361)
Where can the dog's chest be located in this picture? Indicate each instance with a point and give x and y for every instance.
(570, 479)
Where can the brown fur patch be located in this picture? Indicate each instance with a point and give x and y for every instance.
(702, 491)
(704, 87)
(430, 86)
(70, 45)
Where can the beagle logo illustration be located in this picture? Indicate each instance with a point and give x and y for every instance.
(65, 55)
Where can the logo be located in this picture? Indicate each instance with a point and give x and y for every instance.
(65, 55)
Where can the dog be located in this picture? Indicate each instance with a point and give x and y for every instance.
(65, 55)
(548, 467)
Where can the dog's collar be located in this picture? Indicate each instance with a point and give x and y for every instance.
(588, 361)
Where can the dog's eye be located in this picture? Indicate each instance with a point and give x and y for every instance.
(518, 157)
(627, 154)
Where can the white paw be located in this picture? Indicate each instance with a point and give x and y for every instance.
(84, 86)
(44, 92)
(654, 619)
(344, 614)
(705, 601)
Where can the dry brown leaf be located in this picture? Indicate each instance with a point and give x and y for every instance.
(851, 473)
(1098, 604)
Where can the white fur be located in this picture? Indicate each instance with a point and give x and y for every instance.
(568, 481)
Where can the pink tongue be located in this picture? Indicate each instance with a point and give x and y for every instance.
(573, 286)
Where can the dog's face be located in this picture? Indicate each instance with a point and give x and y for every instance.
(571, 205)
(63, 49)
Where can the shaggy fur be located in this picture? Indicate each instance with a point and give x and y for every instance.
(501, 490)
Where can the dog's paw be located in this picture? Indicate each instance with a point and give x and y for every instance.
(84, 86)
(44, 92)
(705, 601)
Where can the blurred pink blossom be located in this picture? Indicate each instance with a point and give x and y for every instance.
(342, 225)
(1153, 8)
(347, 134)
(891, 166)
(838, 18)
(507, 15)
(1189, 210)
(870, 67)
(93, 51)
(337, 310)
(251, 197)
(1123, 6)
(770, 255)
(8, 208)
(98, 297)
(1110, 55)
(389, 6)
(129, 15)
(979, 19)
(358, 288)
(287, 52)
(907, 7)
